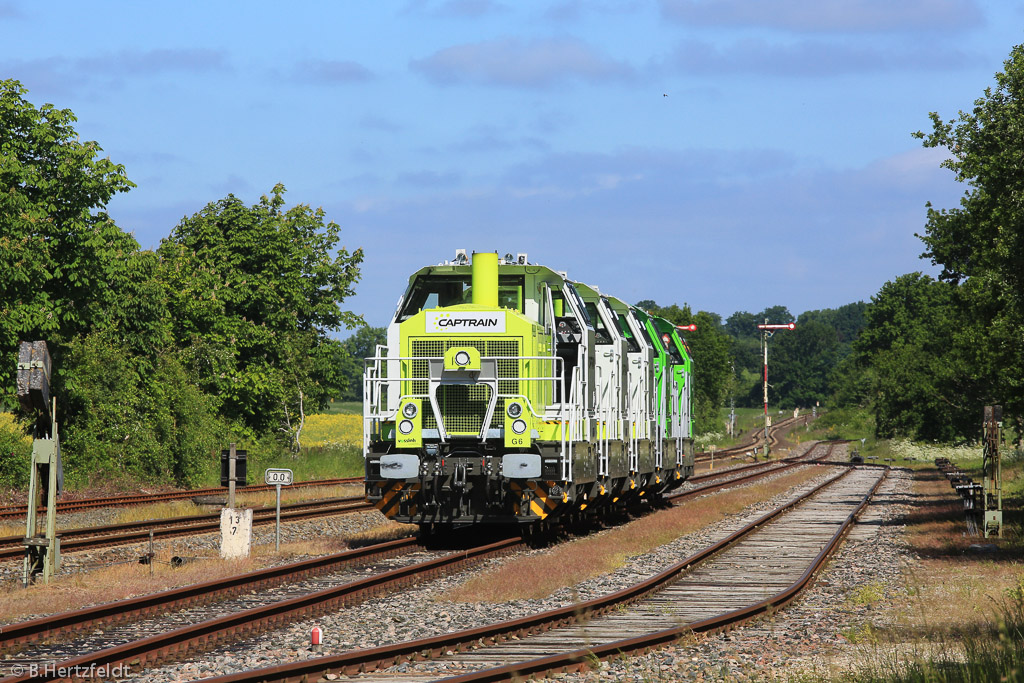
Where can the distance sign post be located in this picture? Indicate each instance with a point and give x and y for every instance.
(278, 478)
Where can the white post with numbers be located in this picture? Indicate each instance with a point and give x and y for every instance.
(277, 478)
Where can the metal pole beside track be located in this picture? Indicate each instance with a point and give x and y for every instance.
(231, 476)
(277, 525)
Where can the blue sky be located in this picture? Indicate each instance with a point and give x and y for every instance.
(728, 154)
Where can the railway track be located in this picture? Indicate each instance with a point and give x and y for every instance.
(755, 439)
(239, 620)
(195, 631)
(72, 540)
(761, 567)
(101, 617)
(9, 511)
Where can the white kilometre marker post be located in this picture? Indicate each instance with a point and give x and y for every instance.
(278, 478)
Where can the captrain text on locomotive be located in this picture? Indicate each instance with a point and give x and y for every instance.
(507, 393)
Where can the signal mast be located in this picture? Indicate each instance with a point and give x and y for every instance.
(767, 331)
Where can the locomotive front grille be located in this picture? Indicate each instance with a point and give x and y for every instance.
(463, 406)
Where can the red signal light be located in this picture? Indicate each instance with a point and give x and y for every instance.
(692, 327)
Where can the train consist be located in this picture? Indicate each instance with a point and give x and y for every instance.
(509, 394)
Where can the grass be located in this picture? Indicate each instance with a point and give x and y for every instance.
(333, 429)
(538, 576)
(961, 614)
(747, 420)
(845, 423)
(318, 462)
(345, 407)
(332, 447)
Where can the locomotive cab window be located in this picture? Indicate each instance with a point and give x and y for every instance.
(673, 351)
(435, 291)
(440, 291)
(602, 335)
(626, 332)
(576, 303)
(646, 337)
(510, 292)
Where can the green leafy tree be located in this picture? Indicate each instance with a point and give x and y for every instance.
(742, 324)
(801, 362)
(927, 355)
(156, 425)
(254, 290)
(362, 344)
(61, 256)
(776, 315)
(983, 239)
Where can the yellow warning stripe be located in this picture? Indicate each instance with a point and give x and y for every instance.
(389, 498)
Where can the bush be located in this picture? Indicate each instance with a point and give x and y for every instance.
(160, 428)
(15, 452)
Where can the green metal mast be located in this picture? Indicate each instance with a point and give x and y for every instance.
(42, 545)
(992, 487)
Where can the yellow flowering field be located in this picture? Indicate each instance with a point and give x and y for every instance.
(8, 424)
(333, 430)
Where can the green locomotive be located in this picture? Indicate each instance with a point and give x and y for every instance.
(508, 393)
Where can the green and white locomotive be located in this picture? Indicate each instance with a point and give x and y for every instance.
(508, 393)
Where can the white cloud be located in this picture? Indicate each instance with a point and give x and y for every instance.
(828, 15)
(517, 63)
(812, 58)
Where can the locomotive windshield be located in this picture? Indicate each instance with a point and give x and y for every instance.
(439, 291)
(601, 336)
(646, 337)
(626, 332)
(673, 350)
(576, 303)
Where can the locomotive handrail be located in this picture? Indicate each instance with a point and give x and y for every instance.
(373, 383)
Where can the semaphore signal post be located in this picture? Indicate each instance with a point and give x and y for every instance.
(767, 331)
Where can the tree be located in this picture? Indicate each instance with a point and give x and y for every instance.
(254, 292)
(926, 357)
(61, 256)
(776, 315)
(742, 325)
(362, 344)
(983, 239)
(803, 362)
